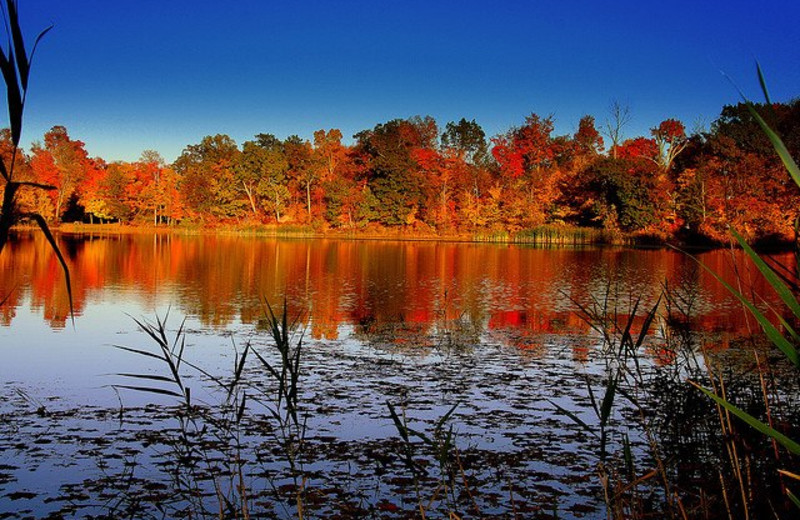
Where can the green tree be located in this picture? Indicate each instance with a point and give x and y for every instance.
(624, 193)
(393, 176)
(262, 167)
(208, 182)
(302, 168)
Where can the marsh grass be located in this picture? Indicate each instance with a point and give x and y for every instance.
(206, 445)
(618, 472)
(284, 405)
(564, 235)
(208, 468)
(441, 442)
(783, 336)
(552, 235)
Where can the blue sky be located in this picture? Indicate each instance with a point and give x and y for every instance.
(124, 76)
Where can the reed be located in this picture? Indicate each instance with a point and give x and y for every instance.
(625, 378)
(554, 235)
(440, 442)
(206, 433)
(284, 403)
(561, 235)
(15, 65)
(784, 337)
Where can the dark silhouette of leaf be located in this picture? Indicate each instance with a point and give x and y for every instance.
(46, 230)
(19, 43)
(160, 391)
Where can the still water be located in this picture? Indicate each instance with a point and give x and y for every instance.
(495, 330)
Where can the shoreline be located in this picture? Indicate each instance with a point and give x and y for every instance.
(546, 235)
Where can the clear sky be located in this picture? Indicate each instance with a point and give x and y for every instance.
(128, 75)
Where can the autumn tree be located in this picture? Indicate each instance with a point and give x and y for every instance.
(329, 157)
(670, 138)
(262, 170)
(394, 178)
(637, 148)
(152, 186)
(619, 194)
(207, 178)
(468, 139)
(61, 163)
(441, 170)
(587, 143)
(737, 180)
(120, 203)
(302, 170)
(530, 161)
(91, 193)
(248, 172)
(338, 176)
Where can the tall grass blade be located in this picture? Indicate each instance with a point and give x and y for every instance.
(441, 422)
(402, 429)
(149, 377)
(239, 369)
(138, 351)
(648, 321)
(150, 389)
(777, 284)
(763, 83)
(772, 333)
(580, 422)
(39, 185)
(147, 329)
(788, 443)
(608, 401)
(777, 143)
(13, 94)
(19, 43)
(789, 474)
(242, 407)
(592, 399)
(793, 498)
(36, 44)
(49, 236)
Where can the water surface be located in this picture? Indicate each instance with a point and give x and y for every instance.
(493, 328)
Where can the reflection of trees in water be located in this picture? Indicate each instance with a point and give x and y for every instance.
(332, 282)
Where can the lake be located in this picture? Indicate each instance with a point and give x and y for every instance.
(520, 340)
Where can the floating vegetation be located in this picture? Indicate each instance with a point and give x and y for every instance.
(293, 429)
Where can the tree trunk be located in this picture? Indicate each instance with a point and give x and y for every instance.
(57, 213)
(251, 198)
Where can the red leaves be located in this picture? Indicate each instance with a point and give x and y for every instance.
(670, 130)
(639, 148)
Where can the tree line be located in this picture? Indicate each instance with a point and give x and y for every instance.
(411, 175)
